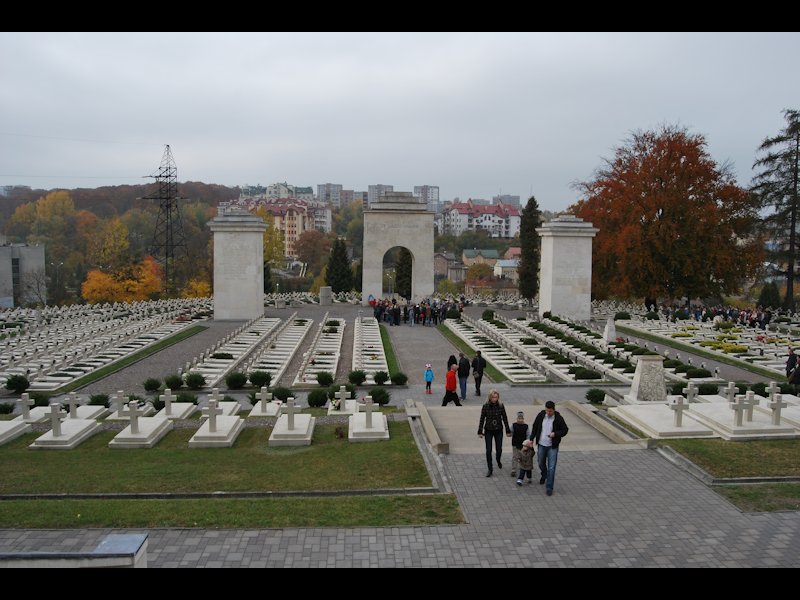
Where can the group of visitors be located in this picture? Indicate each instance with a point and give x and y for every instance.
(427, 312)
(458, 371)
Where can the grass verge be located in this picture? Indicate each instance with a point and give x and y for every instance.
(330, 463)
(766, 497)
(352, 511)
(388, 350)
(692, 349)
(129, 360)
(758, 458)
(468, 350)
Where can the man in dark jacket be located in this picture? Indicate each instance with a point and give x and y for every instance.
(478, 365)
(463, 374)
(548, 429)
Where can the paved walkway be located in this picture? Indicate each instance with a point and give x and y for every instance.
(609, 509)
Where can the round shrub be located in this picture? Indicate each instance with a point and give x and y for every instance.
(381, 377)
(698, 373)
(708, 389)
(281, 393)
(17, 383)
(260, 378)
(621, 316)
(488, 315)
(357, 377)
(6, 408)
(759, 388)
(186, 397)
(742, 387)
(652, 315)
(173, 382)
(786, 388)
(453, 313)
(332, 323)
(222, 355)
(99, 400)
(151, 384)
(324, 378)
(582, 373)
(351, 391)
(677, 389)
(195, 381)
(158, 403)
(596, 396)
(621, 364)
(235, 380)
(399, 378)
(380, 395)
(317, 398)
(40, 399)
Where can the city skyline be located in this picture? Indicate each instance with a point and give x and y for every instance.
(479, 114)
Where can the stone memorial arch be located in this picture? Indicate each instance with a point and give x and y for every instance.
(397, 219)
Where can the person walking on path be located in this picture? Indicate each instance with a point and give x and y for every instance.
(548, 429)
(519, 433)
(451, 361)
(428, 378)
(478, 365)
(463, 374)
(450, 387)
(490, 427)
(526, 462)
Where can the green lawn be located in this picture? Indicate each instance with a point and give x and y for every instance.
(328, 464)
(490, 371)
(760, 458)
(348, 511)
(388, 350)
(762, 497)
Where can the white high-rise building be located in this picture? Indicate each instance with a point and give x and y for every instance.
(374, 192)
(429, 194)
(330, 193)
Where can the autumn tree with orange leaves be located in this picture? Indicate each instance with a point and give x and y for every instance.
(672, 222)
(141, 281)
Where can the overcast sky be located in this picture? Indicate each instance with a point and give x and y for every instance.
(475, 114)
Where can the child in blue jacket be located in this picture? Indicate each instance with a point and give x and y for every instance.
(428, 378)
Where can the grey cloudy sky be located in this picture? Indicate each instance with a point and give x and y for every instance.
(476, 114)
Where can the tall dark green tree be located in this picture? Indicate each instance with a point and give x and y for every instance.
(529, 258)
(339, 276)
(777, 187)
(267, 279)
(358, 274)
(770, 296)
(404, 266)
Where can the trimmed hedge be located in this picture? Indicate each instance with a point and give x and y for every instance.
(195, 381)
(235, 380)
(335, 388)
(381, 377)
(324, 378)
(380, 395)
(173, 382)
(398, 378)
(151, 384)
(99, 400)
(621, 316)
(596, 396)
(357, 377)
(17, 383)
(317, 398)
(260, 378)
(281, 393)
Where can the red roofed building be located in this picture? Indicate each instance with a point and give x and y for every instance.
(498, 220)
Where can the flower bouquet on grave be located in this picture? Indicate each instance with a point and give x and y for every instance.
(336, 403)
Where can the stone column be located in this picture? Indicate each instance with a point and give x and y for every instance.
(238, 265)
(565, 276)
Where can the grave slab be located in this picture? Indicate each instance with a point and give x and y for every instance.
(359, 432)
(657, 421)
(228, 429)
(150, 432)
(721, 418)
(11, 430)
(73, 433)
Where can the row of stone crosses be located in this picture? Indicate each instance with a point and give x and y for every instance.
(741, 404)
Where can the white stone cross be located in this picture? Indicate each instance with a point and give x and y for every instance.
(167, 398)
(264, 397)
(750, 397)
(73, 405)
(25, 404)
(773, 389)
(690, 392)
(739, 407)
(678, 406)
(289, 410)
(55, 419)
(118, 400)
(368, 410)
(213, 411)
(135, 413)
(215, 395)
(775, 405)
(730, 391)
(342, 395)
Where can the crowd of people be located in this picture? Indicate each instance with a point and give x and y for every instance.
(427, 312)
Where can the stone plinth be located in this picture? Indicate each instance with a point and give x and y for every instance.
(300, 436)
(11, 430)
(721, 418)
(648, 381)
(90, 412)
(38, 414)
(125, 414)
(151, 430)
(238, 264)
(178, 410)
(271, 409)
(359, 432)
(228, 409)
(350, 408)
(658, 421)
(398, 219)
(325, 296)
(73, 432)
(566, 267)
(228, 429)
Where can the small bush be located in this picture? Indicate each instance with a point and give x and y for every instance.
(99, 400)
(332, 323)
(724, 325)
(547, 314)
(6, 408)
(708, 389)
(453, 313)
(621, 364)
(351, 391)
(186, 397)
(17, 383)
(399, 378)
(698, 373)
(488, 315)
(151, 384)
(324, 378)
(331, 330)
(40, 399)
(317, 398)
(357, 377)
(173, 382)
(630, 369)
(595, 396)
(380, 395)
(281, 393)
(195, 381)
(235, 380)
(158, 403)
(582, 373)
(677, 389)
(742, 387)
(621, 316)
(260, 378)
(222, 355)
(652, 315)
(381, 377)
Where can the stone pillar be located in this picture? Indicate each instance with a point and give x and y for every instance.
(238, 265)
(565, 282)
(648, 380)
(325, 296)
